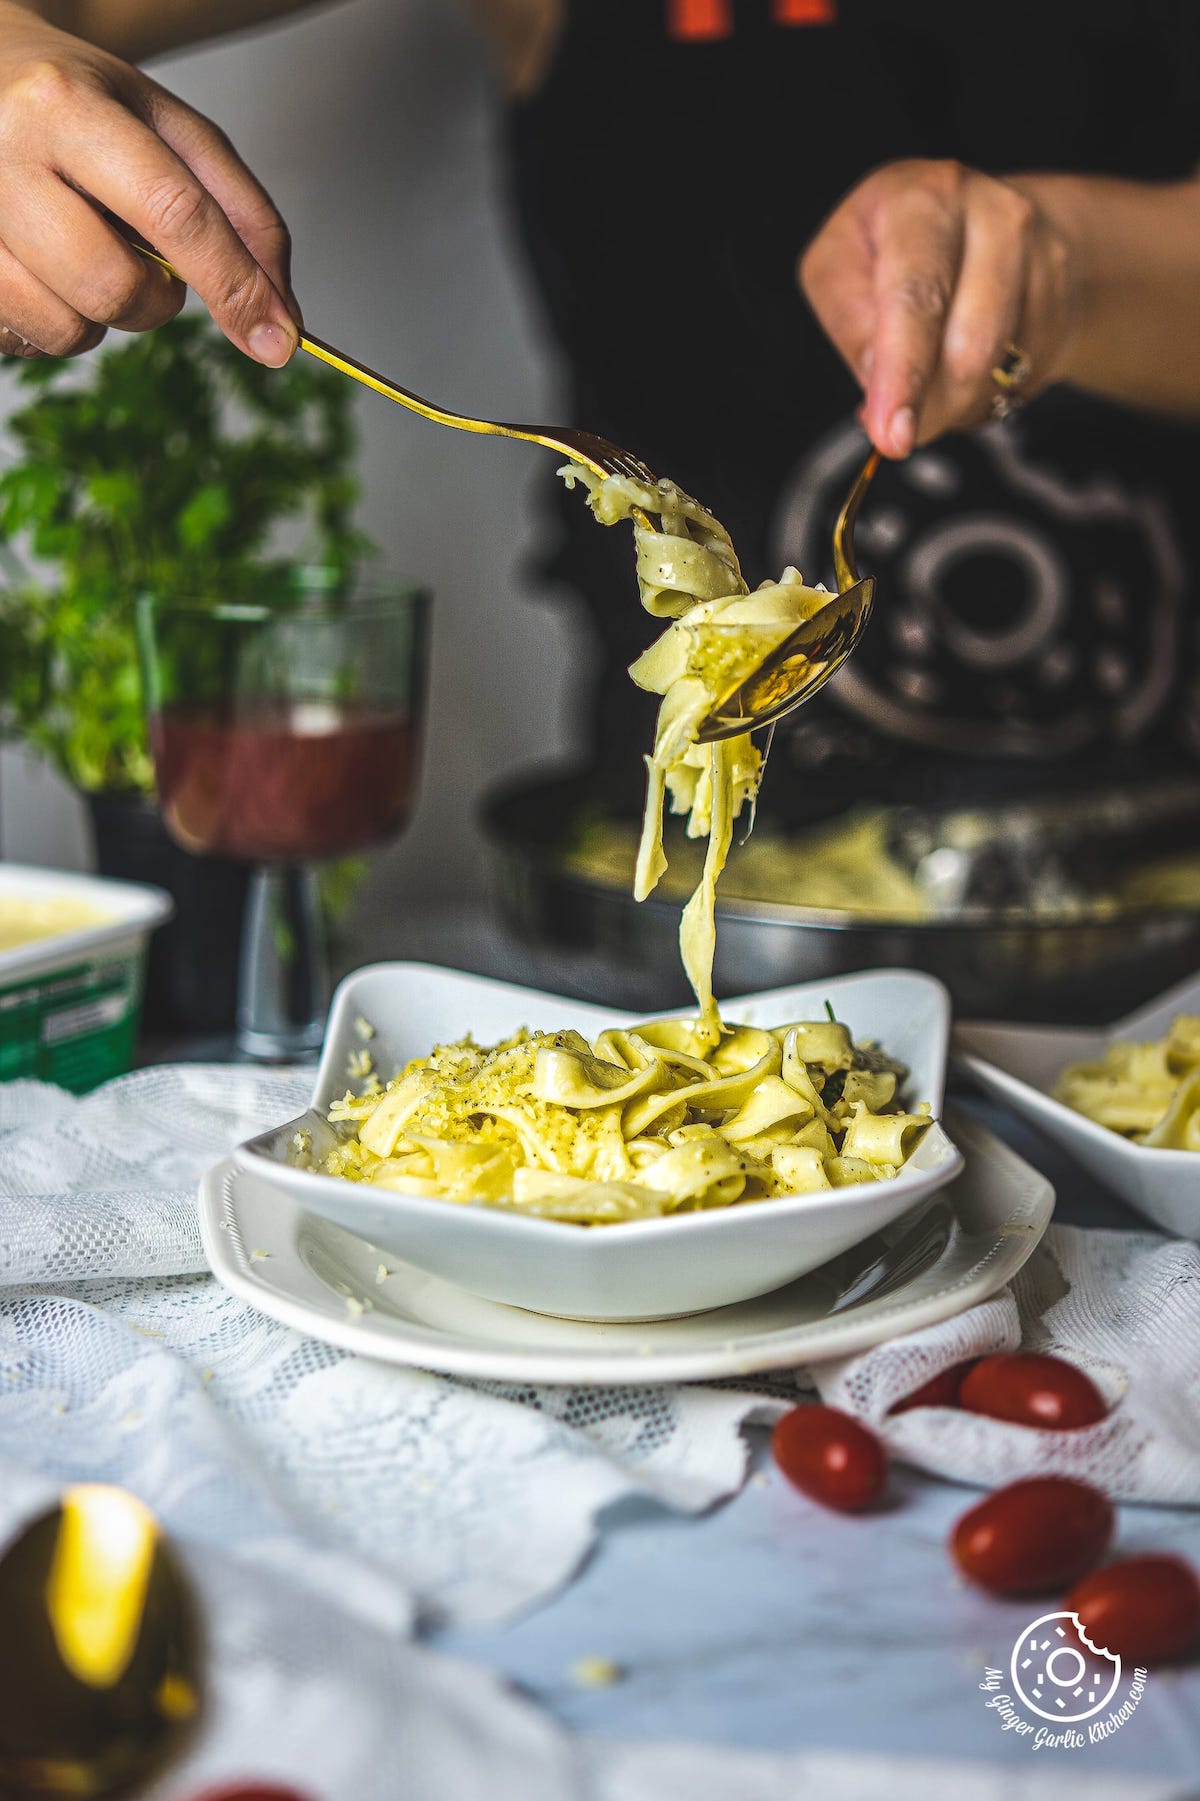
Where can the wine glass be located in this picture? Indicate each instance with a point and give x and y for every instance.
(285, 727)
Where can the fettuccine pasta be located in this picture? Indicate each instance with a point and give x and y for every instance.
(639, 1123)
(1147, 1092)
(720, 634)
(674, 1115)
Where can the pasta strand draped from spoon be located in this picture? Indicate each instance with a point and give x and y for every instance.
(719, 634)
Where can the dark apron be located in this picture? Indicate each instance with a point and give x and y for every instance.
(1035, 579)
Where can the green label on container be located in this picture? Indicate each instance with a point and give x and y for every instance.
(76, 1026)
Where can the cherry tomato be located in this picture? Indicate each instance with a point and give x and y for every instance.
(1032, 1390)
(1145, 1609)
(251, 1791)
(940, 1391)
(1033, 1536)
(830, 1457)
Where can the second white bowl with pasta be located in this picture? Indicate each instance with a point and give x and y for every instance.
(1023, 1065)
(386, 1016)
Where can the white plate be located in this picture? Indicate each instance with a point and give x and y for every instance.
(1020, 1064)
(948, 1254)
(645, 1269)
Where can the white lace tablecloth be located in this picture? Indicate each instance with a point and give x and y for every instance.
(326, 1503)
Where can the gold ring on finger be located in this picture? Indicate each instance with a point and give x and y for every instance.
(1009, 376)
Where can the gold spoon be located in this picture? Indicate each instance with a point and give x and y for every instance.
(812, 653)
(99, 1650)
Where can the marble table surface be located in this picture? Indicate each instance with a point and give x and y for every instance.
(772, 1624)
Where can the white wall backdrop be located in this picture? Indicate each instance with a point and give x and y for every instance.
(372, 125)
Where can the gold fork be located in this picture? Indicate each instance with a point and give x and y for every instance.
(595, 453)
(794, 671)
(799, 666)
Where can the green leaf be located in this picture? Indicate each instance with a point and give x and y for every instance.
(28, 495)
(115, 491)
(205, 513)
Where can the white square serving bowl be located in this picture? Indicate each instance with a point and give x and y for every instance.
(644, 1269)
(1021, 1064)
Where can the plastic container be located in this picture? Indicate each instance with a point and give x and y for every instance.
(70, 1002)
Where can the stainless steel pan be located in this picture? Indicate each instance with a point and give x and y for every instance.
(998, 958)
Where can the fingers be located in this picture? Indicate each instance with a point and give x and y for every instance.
(920, 278)
(124, 165)
(81, 134)
(1049, 307)
(918, 242)
(985, 313)
(34, 320)
(13, 344)
(64, 130)
(62, 241)
(215, 163)
(837, 276)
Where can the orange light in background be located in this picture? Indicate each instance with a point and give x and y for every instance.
(699, 21)
(804, 12)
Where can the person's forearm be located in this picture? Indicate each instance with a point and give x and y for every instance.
(139, 28)
(1134, 249)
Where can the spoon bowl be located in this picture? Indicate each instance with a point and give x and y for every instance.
(795, 670)
(100, 1652)
(812, 653)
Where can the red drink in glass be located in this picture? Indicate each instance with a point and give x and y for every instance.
(285, 728)
(284, 783)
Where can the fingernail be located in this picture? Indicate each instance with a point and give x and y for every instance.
(903, 431)
(272, 345)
